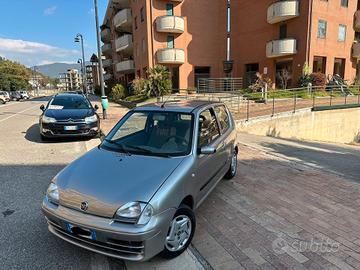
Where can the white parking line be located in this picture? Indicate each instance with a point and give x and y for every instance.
(28, 109)
(10, 104)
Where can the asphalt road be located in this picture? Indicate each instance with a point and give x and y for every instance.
(26, 168)
(341, 159)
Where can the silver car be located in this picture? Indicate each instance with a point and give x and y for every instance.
(134, 195)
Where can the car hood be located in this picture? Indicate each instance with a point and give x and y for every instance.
(66, 114)
(106, 180)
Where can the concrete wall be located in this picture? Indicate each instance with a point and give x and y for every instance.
(340, 126)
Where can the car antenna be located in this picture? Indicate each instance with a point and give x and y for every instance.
(163, 105)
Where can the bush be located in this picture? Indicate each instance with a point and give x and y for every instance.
(318, 79)
(159, 82)
(118, 92)
(139, 85)
(305, 77)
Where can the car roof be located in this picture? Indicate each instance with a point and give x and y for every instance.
(71, 94)
(186, 106)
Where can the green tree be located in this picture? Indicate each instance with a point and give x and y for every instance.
(13, 76)
(118, 92)
(159, 82)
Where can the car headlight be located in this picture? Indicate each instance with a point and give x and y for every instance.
(91, 119)
(134, 212)
(47, 119)
(53, 193)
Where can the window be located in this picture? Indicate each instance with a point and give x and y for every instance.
(344, 3)
(283, 31)
(143, 45)
(208, 129)
(135, 23)
(339, 67)
(223, 118)
(170, 9)
(342, 33)
(142, 14)
(201, 73)
(319, 64)
(322, 29)
(135, 123)
(170, 42)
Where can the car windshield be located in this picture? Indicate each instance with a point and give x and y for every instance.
(153, 133)
(69, 102)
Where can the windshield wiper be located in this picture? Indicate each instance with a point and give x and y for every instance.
(147, 151)
(121, 146)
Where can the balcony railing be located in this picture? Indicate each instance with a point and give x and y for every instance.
(281, 47)
(123, 20)
(170, 56)
(282, 11)
(107, 76)
(356, 50)
(120, 4)
(105, 35)
(107, 63)
(124, 44)
(170, 24)
(125, 67)
(357, 21)
(106, 49)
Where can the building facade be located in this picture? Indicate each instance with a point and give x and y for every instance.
(275, 38)
(70, 80)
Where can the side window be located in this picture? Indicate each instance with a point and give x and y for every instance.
(223, 117)
(208, 128)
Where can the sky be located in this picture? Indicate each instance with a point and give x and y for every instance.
(35, 32)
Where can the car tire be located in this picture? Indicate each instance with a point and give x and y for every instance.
(233, 167)
(179, 238)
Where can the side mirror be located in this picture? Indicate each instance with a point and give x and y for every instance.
(96, 107)
(207, 150)
(42, 107)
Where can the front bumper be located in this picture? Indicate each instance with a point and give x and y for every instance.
(58, 129)
(118, 240)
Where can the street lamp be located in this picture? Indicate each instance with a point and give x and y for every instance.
(82, 72)
(104, 101)
(80, 38)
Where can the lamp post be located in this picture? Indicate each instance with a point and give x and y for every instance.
(82, 71)
(104, 102)
(80, 38)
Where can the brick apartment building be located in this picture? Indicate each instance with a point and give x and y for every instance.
(267, 36)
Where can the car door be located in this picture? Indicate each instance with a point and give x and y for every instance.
(209, 166)
(226, 151)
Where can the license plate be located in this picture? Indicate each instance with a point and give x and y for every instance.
(82, 232)
(70, 127)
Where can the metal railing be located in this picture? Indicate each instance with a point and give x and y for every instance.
(245, 104)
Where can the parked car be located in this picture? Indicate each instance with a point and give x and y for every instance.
(69, 115)
(24, 94)
(3, 98)
(15, 95)
(6, 95)
(134, 196)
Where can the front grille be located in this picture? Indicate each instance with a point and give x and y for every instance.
(112, 247)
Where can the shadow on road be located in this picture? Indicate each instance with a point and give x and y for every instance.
(33, 135)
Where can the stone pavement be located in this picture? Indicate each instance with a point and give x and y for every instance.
(277, 214)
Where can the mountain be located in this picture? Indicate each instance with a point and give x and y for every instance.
(53, 70)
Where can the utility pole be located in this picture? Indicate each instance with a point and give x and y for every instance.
(104, 101)
(80, 38)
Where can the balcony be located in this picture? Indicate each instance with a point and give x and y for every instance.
(121, 4)
(357, 21)
(282, 11)
(125, 67)
(170, 24)
(106, 35)
(123, 20)
(171, 56)
(124, 44)
(106, 49)
(107, 63)
(281, 47)
(355, 50)
(107, 76)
